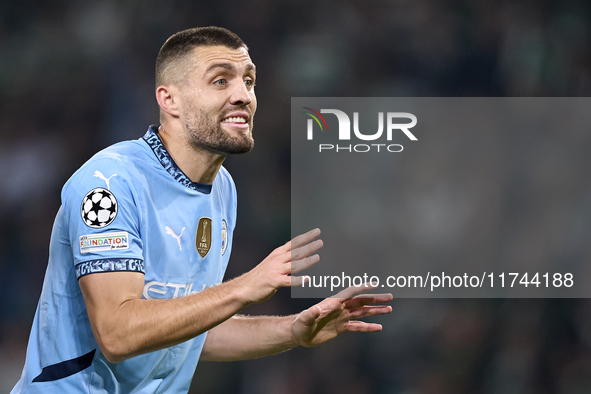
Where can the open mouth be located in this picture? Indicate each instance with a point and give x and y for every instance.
(235, 119)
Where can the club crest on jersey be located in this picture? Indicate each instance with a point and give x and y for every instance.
(203, 239)
(99, 208)
(224, 236)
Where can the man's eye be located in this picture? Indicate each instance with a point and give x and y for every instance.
(220, 82)
(250, 83)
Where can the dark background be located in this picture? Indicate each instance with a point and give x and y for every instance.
(76, 77)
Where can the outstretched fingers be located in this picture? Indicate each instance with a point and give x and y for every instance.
(294, 281)
(354, 291)
(297, 266)
(303, 264)
(305, 238)
(306, 250)
(367, 299)
(302, 239)
(302, 254)
(359, 326)
(371, 310)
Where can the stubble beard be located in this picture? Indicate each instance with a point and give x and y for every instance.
(206, 132)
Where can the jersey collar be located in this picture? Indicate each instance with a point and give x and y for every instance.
(169, 165)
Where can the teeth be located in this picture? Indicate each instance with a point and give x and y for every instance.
(234, 120)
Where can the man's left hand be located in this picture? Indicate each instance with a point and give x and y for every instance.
(333, 316)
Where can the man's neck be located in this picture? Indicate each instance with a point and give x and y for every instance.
(198, 164)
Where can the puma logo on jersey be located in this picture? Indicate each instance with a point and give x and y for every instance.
(98, 174)
(178, 237)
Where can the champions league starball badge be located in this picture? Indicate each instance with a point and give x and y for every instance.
(99, 208)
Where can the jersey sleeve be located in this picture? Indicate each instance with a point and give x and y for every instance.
(103, 218)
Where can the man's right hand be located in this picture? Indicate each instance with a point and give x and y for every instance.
(275, 271)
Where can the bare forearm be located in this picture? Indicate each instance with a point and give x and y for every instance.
(247, 337)
(139, 326)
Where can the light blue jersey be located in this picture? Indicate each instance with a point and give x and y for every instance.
(129, 208)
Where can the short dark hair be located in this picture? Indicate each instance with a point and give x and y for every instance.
(182, 43)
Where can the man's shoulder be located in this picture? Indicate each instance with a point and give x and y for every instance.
(123, 157)
(122, 153)
(117, 163)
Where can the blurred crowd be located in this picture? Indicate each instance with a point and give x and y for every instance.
(76, 77)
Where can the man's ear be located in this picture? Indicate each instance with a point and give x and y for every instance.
(168, 98)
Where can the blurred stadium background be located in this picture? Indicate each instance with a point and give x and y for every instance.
(76, 77)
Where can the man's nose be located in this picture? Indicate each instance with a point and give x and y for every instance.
(240, 95)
